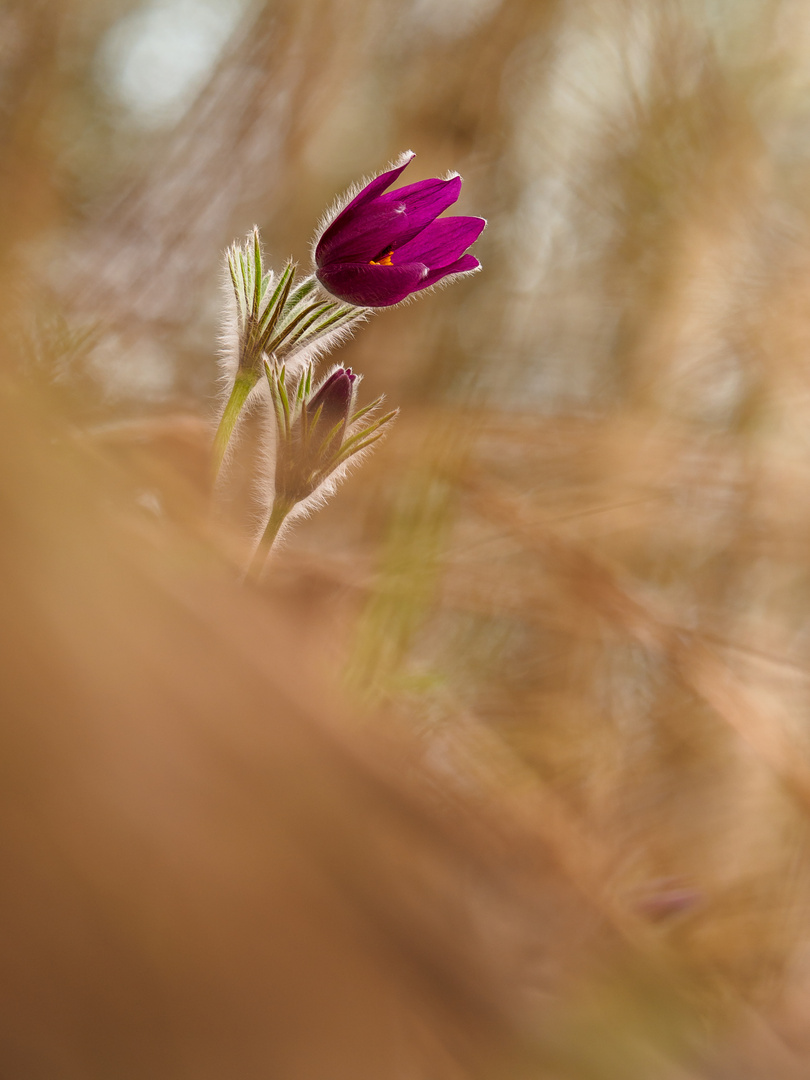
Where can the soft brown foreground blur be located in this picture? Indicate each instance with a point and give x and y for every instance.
(505, 770)
(201, 877)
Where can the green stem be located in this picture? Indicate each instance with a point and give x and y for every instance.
(281, 508)
(243, 384)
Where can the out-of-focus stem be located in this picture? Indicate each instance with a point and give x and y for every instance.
(281, 507)
(243, 384)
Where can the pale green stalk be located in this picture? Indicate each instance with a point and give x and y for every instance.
(243, 384)
(278, 515)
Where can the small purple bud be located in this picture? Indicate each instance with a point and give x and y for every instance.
(334, 399)
(311, 436)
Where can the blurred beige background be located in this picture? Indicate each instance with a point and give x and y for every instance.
(577, 576)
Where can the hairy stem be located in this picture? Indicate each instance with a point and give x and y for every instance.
(243, 384)
(281, 507)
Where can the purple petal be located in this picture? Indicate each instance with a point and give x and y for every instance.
(371, 191)
(377, 186)
(422, 189)
(389, 221)
(333, 398)
(461, 266)
(441, 242)
(324, 388)
(372, 286)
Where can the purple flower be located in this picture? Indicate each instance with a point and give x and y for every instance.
(329, 409)
(385, 245)
(317, 429)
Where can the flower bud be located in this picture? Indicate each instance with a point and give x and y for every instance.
(317, 430)
(329, 408)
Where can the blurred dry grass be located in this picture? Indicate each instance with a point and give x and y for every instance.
(567, 600)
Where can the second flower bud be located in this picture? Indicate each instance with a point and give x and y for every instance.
(318, 429)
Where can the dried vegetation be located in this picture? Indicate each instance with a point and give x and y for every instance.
(560, 825)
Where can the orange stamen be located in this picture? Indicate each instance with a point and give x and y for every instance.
(386, 260)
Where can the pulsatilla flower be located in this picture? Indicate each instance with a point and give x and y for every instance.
(275, 316)
(317, 431)
(385, 245)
